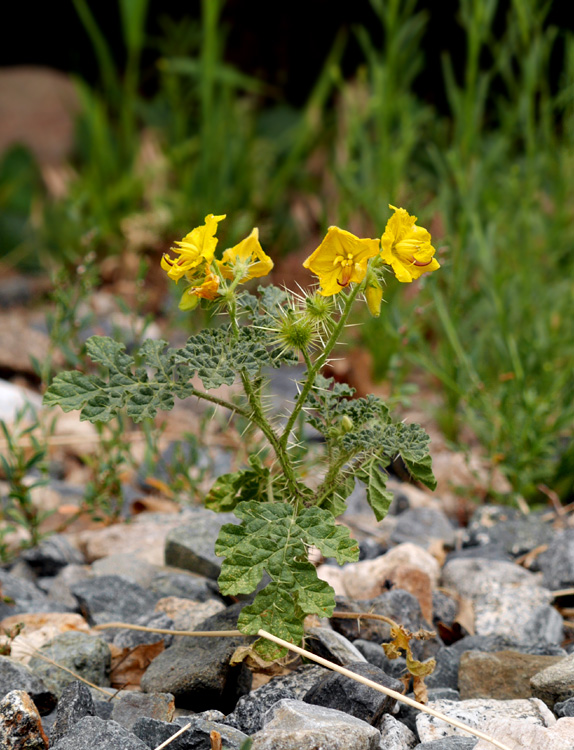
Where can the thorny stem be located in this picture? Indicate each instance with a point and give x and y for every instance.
(257, 416)
(320, 361)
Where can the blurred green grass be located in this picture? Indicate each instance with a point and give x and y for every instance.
(492, 178)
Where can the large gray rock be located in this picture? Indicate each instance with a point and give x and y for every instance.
(293, 725)
(345, 694)
(555, 683)
(93, 733)
(75, 703)
(20, 723)
(85, 655)
(507, 599)
(503, 675)
(16, 676)
(422, 526)
(197, 737)
(250, 709)
(197, 672)
(112, 598)
(191, 546)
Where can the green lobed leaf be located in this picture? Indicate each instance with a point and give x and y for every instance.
(127, 386)
(422, 471)
(246, 484)
(375, 479)
(272, 538)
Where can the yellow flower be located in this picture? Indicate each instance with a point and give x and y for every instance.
(248, 255)
(340, 259)
(406, 247)
(196, 247)
(208, 289)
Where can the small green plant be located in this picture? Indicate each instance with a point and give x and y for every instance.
(24, 468)
(281, 515)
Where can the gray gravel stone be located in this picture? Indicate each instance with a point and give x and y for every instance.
(513, 532)
(191, 546)
(250, 709)
(75, 703)
(20, 723)
(154, 732)
(20, 596)
(131, 638)
(450, 743)
(133, 705)
(112, 598)
(126, 565)
(557, 562)
(16, 676)
(85, 655)
(51, 555)
(556, 683)
(93, 733)
(564, 708)
(395, 735)
(293, 725)
(375, 654)
(345, 694)
(185, 586)
(333, 646)
(421, 526)
(59, 586)
(197, 671)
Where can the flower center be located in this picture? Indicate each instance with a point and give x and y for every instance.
(347, 263)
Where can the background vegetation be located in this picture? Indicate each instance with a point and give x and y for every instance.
(484, 157)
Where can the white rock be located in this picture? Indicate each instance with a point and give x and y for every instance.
(13, 398)
(519, 734)
(366, 579)
(477, 713)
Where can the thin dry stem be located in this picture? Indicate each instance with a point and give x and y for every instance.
(381, 689)
(198, 633)
(173, 737)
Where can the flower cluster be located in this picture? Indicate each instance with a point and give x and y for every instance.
(341, 259)
(203, 273)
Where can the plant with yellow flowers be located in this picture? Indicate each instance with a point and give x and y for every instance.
(281, 515)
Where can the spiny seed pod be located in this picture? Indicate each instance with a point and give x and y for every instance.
(295, 332)
(319, 308)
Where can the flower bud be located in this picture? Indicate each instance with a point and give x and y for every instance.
(346, 424)
(374, 297)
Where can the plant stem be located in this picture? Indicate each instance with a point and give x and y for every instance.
(321, 360)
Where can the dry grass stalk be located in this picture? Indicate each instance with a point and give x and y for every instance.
(381, 689)
(173, 737)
